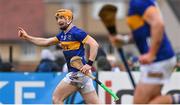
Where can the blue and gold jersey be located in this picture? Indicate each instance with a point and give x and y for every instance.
(141, 30)
(72, 43)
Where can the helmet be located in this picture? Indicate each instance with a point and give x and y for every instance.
(64, 12)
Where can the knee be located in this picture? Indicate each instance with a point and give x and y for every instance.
(57, 100)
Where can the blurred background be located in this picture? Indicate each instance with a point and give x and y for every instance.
(37, 18)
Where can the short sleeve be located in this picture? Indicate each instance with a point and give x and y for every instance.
(81, 36)
(140, 6)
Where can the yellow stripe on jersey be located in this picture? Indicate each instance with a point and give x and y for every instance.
(135, 22)
(73, 45)
(85, 39)
(56, 40)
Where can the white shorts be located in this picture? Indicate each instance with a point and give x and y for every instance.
(158, 72)
(79, 80)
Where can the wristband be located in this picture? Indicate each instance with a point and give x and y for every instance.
(90, 62)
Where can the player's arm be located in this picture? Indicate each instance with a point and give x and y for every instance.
(120, 40)
(37, 40)
(153, 17)
(93, 52)
(93, 47)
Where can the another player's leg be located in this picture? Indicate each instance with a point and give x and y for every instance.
(153, 76)
(152, 97)
(145, 92)
(167, 99)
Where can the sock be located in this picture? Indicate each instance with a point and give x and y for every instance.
(176, 99)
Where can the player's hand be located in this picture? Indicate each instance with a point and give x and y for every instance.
(86, 69)
(22, 33)
(146, 58)
(116, 41)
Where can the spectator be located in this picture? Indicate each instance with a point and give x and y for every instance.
(100, 60)
(5, 66)
(47, 63)
(100, 53)
(178, 63)
(0, 59)
(114, 64)
(59, 58)
(103, 64)
(133, 62)
(178, 66)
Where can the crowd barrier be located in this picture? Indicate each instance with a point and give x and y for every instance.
(121, 85)
(31, 88)
(37, 88)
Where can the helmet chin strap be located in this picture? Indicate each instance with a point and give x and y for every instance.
(68, 23)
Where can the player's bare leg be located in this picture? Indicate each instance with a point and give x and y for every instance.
(91, 98)
(162, 100)
(166, 99)
(144, 93)
(62, 91)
